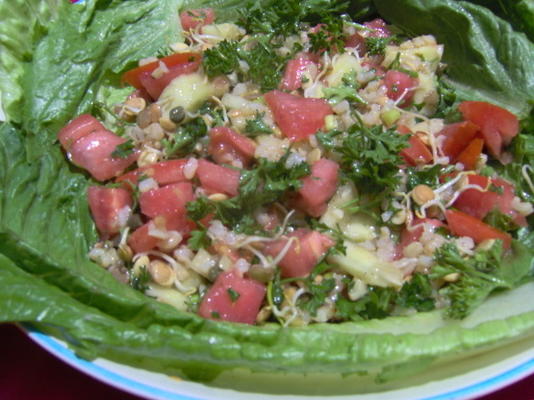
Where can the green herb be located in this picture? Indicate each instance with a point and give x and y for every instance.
(426, 175)
(140, 279)
(317, 290)
(377, 45)
(259, 186)
(348, 90)
(335, 233)
(221, 59)
(215, 314)
(234, 296)
(370, 157)
(417, 293)
(123, 150)
(500, 221)
(199, 239)
(265, 65)
(329, 36)
(257, 126)
(184, 140)
(377, 303)
(479, 275)
(193, 302)
(276, 291)
(329, 140)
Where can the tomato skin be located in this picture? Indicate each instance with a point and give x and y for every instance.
(478, 204)
(303, 254)
(169, 200)
(79, 127)
(379, 28)
(471, 154)
(497, 125)
(416, 153)
(93, 153)
(177, 64)
(218, 304)
(296, 116)
(318, 187)
(163, 173)
(398, 83)
(227, 146)
(218, 179)
(461, 224)
(457, 138)
(190, 19)
(295, 70)
(107, 205)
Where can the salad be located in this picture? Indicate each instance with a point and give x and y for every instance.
(307, 168)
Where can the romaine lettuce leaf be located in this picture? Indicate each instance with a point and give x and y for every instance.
(487, 60)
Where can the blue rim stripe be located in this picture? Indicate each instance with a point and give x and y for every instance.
(136, 387)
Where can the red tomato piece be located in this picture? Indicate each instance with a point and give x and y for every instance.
(304, 253)
(190, 19)
(233, 298)
(295, 70)
(457, 138)
(154, 86)
(378, 28)
(497, 125)
(357, 41)
(163, 173)
(141, 241)
(79, 127)
(417, 153)
(93, 153)
(218, 179)
(228, 147)
(177, 64)
(479, 203)
(296, 116)
(168, 200)
(461, 224)
(471, 154)
(110, 208)
(400, 84)
(318, 187)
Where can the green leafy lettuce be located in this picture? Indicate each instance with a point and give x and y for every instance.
(71, 56)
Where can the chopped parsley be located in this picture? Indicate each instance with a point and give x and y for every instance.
(234, 296)
(139, 280)
(184, 140)
(257, 126)
(221, 59)
(123, 150)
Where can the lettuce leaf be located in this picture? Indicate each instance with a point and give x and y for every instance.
(487, 60)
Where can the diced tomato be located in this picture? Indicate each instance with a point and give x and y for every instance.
(93, 153)
(296, 116)
(457, 138)
(233, 298)
(177, 64)
(461, 224)
(400, 84)
(479, 203)
(218, 179)
(110, 208)
(304, 253)
(77, 128)
(141, 241)
(190, 19)
(378, 28)
(471, 154)
(168, 200)
(295, 70)
(497, 125)
(416, 153)
(163, 173)
(413, 234)
(318, 187)
(227, 146)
